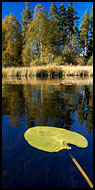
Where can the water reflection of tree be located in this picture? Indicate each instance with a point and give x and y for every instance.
(85, 107)
(48, 105)
(81, 110)
(64, 117)
(13, 103)
(89, 115)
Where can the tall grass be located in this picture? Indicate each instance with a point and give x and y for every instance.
(48, 71)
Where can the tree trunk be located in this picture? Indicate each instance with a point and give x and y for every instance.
(85, 46)
(41, 45)
(41, 51)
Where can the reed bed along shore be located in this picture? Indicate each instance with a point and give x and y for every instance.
(48, 71)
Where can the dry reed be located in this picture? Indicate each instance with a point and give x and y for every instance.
(49, 71)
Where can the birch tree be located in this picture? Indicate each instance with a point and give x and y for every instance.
(36, 36)
(11, 41)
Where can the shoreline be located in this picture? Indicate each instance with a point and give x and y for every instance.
(47, 71)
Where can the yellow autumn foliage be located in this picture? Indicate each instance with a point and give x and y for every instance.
(32, 63)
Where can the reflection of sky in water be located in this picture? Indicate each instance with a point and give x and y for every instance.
(25, 166)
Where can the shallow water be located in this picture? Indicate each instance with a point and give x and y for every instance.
(45, 103)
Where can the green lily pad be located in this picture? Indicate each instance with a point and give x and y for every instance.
(52, 139)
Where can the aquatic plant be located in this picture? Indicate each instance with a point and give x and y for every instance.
(52, 139)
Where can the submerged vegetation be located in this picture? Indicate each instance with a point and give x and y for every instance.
(44, 38)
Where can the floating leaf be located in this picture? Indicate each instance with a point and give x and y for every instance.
(52, 139)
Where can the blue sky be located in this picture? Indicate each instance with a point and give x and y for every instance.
(17, 7)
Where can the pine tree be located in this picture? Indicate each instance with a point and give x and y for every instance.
(90, 44)
(11, 41)
(71, 20)
(26, 17)
(91, 23)
(54, 37)
(53, 12)
(62, 23)
(85, 31)
(75, 40)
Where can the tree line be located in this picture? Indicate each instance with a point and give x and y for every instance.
(47, 38)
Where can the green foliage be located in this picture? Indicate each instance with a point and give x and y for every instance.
(84, 31)
(91, 23)
(85, 25)
(90, 43)
(53, 12)
(6, 59)
(62, 23)
(54, 31)
(38, 62)
(90, 61)
(26, 18)
(59, 60)
(81, 61)
(36, 40)
(69, 56)
(46, 38)
(53, 139)
(71, 19)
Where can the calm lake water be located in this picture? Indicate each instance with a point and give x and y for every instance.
(26, 105)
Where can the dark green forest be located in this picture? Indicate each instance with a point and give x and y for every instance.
(47, 38)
